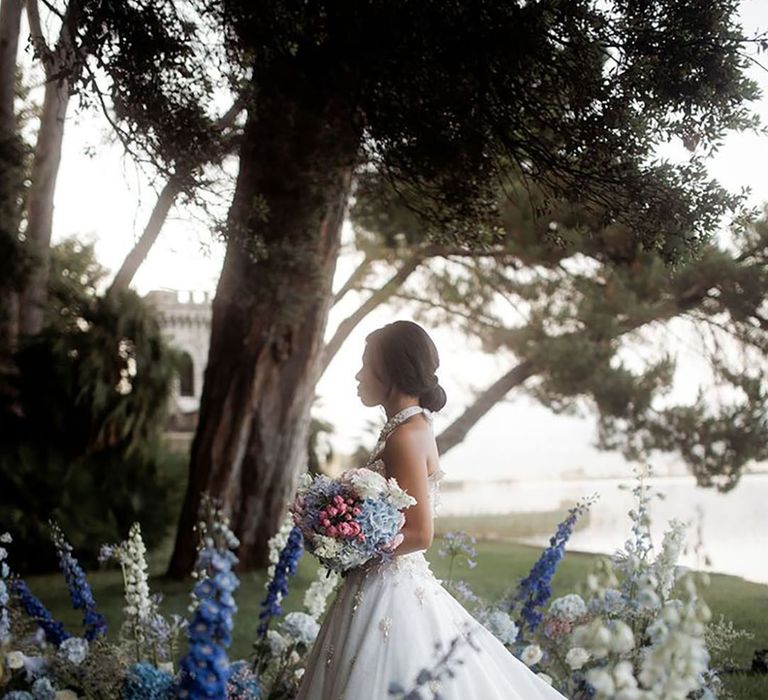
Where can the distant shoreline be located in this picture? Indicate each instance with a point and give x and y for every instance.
(449, 483)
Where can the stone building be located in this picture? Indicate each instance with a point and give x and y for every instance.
(185, 319)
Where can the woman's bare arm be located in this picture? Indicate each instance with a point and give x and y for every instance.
(405, 458)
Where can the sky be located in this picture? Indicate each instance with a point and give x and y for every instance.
(104, 198)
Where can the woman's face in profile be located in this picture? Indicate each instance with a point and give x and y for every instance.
(369, 388)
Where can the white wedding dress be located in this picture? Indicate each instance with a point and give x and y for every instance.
(385, 622)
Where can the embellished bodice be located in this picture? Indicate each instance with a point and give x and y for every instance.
(376, 463)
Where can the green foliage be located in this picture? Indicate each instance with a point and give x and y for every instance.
(579, 301)
(93, 388)
(571, 96)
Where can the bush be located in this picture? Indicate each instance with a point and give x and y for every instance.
(85, 449)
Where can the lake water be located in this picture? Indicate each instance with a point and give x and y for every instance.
(732, 525)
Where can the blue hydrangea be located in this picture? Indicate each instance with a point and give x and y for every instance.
(54, 630)
(145, 682)
(278, 586)
(79, 590)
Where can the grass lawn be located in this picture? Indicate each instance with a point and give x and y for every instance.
(500, 564)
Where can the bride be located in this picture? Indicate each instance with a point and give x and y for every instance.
(389, 615)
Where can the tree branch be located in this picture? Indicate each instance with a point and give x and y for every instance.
(354, 279)
(36, 35)
(376, 299)
(457, 431)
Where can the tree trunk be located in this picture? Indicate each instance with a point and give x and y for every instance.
(11, 177)
(269, 318)
(45, 169)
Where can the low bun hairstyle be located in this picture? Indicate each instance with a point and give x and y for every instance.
(406, 358)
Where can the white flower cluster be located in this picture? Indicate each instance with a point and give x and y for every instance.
(316, 595)
(617, 683)
(366, 482)
(400, 498)
(678, 657)
(577, 657)
(139, 604)
(601, 638)
(665, 566)
(370, 484)
(673, 660)
(531, 655)
(568, 607)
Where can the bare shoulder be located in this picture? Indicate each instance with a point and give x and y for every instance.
(410, 443)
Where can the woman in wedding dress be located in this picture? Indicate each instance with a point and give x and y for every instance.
(388, 616)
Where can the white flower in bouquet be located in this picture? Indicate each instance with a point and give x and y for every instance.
(327, 547)
(568, 607)
(400, 498)
(545, 677)
(531, 654)
(577, 657)
(300, 627)
(366, 482)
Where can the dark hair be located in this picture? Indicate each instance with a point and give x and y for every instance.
(405, 357)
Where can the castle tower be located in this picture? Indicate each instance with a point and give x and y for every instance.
(185, 320)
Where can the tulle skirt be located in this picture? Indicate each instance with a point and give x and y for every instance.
(390, 621)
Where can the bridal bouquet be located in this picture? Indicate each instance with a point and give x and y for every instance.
(352, 519)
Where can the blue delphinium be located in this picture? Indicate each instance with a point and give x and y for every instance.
(54, 630)
(536, 589)
(79, 590)
(146, 682)
(243, 682)
(205, 667)
(278, 586)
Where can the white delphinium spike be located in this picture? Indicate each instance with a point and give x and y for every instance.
(666, 563)
(276, 544)
(316, 596)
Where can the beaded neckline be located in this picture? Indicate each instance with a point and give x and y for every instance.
(402, 415)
